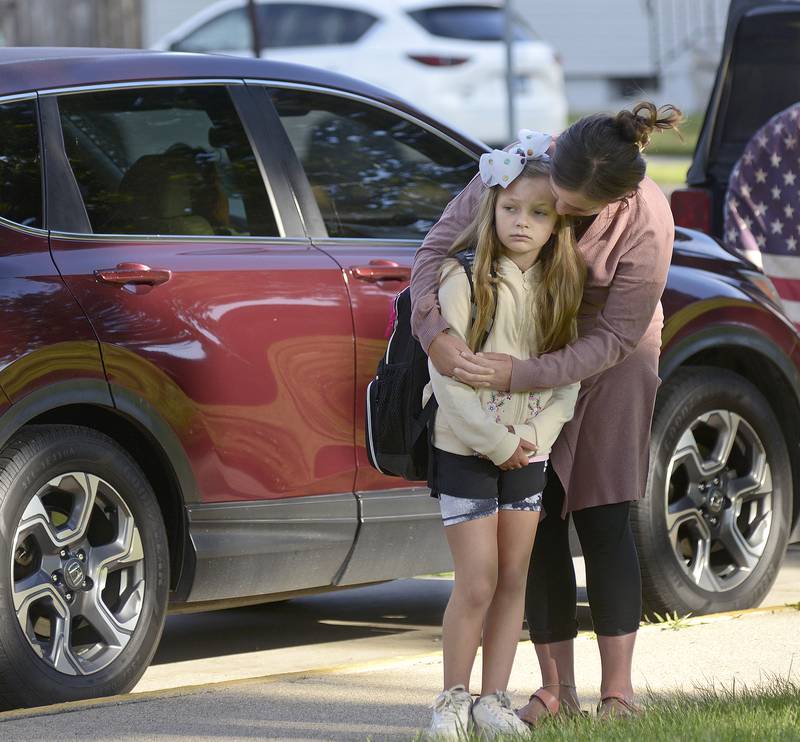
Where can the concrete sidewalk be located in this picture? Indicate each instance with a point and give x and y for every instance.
(389, 700)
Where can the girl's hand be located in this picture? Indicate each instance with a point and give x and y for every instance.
(484, 370)
(445, 352)
(519, 458)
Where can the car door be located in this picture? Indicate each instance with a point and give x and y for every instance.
(374, 181)
(47, 347)
(203, 308)
(216, 316)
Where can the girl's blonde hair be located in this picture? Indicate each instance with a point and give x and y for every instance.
(563, 272)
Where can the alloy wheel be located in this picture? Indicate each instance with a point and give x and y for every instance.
(719, 500)
(78, 573)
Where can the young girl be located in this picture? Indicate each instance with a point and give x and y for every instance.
(491, 448)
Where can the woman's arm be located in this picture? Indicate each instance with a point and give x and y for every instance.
(426, 319)
(632, 300)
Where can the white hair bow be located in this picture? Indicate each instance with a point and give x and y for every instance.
(499, 167)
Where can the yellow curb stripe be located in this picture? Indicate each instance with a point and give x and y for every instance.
(692, 620)
(184, 690)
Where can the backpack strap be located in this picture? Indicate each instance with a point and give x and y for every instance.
(466, 258)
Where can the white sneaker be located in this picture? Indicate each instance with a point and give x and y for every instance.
(451, 714)
(493, 715)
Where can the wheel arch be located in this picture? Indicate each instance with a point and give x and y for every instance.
(87, 404)
(755, 357)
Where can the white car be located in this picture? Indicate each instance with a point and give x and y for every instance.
(447, 56)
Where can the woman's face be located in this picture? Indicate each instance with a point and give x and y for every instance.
(574, 203)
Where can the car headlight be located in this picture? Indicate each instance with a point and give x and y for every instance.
(765, 286)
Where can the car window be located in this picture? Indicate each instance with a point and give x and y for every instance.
(166, 160)
(280, 25)
(228, 32)
(374, 174)
(762, 79)
(470, 22)
(20, 171)
(298, 24)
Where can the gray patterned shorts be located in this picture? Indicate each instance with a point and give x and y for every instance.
(461, 509)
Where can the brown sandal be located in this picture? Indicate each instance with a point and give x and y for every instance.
(615, 705)
(551, 703)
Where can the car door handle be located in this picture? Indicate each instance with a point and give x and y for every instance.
(381, 270)
(133, 273)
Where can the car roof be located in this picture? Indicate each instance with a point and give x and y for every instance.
(26, 69)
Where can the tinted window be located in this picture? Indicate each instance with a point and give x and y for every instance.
(374, 174)
(471, 22)
(311, 25)
(20, 174)
(228, 32)
(763, 74)
(165, 161)
(280, 25)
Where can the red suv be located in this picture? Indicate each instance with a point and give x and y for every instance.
(197, 258)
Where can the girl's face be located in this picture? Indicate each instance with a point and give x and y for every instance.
(525, 217)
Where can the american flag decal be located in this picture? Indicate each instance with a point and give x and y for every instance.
(762, 206)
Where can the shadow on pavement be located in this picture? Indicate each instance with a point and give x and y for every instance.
(391, 608)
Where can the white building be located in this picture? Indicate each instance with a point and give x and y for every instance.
(613, 51)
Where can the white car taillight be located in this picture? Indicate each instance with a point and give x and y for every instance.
(435, 60)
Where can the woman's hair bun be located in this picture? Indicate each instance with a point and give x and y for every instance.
(636, 126)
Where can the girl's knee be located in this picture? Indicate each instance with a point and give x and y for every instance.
(476, 592)
(512, 577)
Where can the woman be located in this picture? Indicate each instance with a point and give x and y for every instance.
(599, 463)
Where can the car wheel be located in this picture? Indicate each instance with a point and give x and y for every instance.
(713, 526)
(84, 569)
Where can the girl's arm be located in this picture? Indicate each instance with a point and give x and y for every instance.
(460, 403)
(426, 319)
(546, 426)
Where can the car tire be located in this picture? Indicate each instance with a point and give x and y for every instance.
(713, 526)
(84, 567)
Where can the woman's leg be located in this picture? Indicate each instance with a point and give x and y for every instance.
(613, 584)
(473, 544)
(516, 530)
(550, 603)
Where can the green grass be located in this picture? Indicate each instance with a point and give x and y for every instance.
(669, 173)
(719, 714)
(768, 713)
(674, 622)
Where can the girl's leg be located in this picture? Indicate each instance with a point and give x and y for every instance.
(613, 583)
(550, 603)
(516, 530)
(473, 545)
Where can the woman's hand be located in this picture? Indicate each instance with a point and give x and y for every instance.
(445, 352)
(483, 370)
(519, 458)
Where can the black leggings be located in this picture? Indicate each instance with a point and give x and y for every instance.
(613, 581)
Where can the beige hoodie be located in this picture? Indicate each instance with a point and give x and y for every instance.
(471, 421)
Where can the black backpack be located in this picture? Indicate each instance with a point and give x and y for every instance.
(398, 429)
